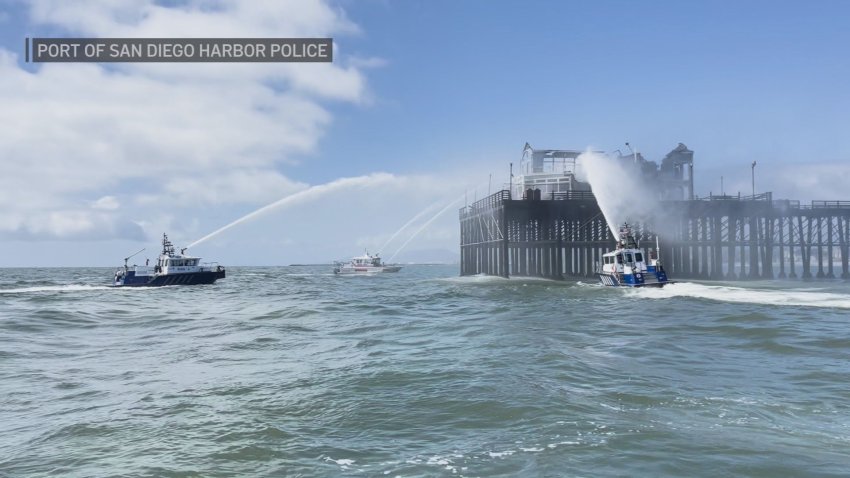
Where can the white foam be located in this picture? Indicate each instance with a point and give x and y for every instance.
(55, 288)
(500, 454)
(487, 279)
(438, 460)
(792, 297)
(596, 284)
(475, 279)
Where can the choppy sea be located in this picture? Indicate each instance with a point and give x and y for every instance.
(292, 371)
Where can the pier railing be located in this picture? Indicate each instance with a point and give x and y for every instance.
(768, 196)
(831, 204)
(492, 201)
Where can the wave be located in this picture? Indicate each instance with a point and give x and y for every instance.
(792, 297)
(473, 279)
(58, 288)
(490, 279)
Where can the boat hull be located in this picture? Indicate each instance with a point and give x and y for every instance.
(365, 270)
(629, 280)
(189, 278)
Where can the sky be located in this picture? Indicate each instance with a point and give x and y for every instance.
(424, 107)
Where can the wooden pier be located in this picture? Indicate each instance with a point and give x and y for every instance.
(715, 238)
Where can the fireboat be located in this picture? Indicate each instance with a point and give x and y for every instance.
(628, 266)
(365, 264)
(171, 268)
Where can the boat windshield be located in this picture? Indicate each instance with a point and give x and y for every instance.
(638, 257)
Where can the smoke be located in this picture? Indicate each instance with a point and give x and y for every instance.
(621, 191)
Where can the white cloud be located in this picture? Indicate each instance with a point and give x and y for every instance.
(85, 134)
(370, 62)
(68, 224)
(238, 186)
(107, 203)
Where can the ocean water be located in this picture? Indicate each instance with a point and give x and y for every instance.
(292, 371)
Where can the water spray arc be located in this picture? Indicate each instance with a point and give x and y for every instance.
(619, 195)
(408, 223)
(426, 224)
(307, 194)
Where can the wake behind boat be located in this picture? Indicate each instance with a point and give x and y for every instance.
(171, 268)
(628, 265)
(365, 264)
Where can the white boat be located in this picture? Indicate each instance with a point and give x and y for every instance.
(365, 264)
(629, 266)
(171, 268)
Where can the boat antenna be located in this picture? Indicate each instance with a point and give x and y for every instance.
(657, 248)
(130, 256)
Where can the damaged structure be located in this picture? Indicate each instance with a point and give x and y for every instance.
(548, 223)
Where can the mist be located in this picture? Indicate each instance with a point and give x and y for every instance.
(620, 189)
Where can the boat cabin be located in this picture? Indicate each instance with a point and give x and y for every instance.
(366, 261)
(624, 261)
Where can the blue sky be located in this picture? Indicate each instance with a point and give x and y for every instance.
(438, 94)
(733, 80)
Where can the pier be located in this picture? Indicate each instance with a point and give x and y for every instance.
(561, 233)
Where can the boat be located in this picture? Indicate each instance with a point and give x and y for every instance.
(629, 266)
(171, 268)
(365, 264)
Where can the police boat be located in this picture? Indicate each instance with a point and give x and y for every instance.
(365, 264)
(629, 266)
(171, 268)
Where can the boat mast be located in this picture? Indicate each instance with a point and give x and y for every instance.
(167, 246)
